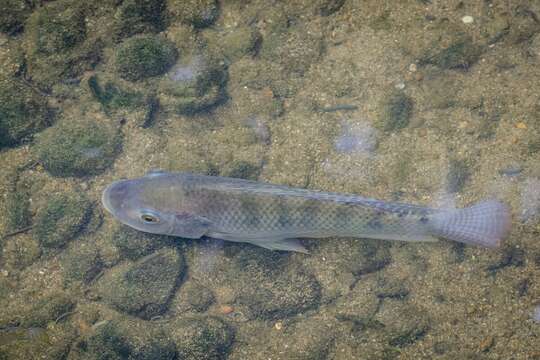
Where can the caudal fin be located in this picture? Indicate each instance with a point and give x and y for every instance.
(484, 224)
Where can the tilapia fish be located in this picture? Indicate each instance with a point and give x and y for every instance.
(275, 216)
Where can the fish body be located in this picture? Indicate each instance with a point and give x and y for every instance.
(274, 216)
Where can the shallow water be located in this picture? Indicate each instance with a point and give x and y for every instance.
(410, 102)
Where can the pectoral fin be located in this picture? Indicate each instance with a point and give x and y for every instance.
(282, 244)
(190, 226)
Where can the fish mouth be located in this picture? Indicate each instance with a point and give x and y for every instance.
(114, 195)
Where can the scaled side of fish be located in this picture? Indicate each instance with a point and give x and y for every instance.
(274, 216)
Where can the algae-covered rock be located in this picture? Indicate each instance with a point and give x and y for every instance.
(462, 53)
(279, 295)
(403, 323)
(194, 83)
(81, 262)
(13, 14)
(20, 252)
(144, 56)
(133, 244)
(18, 210)
(235, 43)
(198, 13)
(143, 288)
(47, 309)
(125, 339)
(23, 112)
(197, 296)
(57, 44)
(60, 219)
(51, 343)
(458, 174)
(396, 111)
(78, 147)
(201, 338)
(112, 96)
(138, 16)
(242, 170)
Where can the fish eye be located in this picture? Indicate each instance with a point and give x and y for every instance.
(149, 218)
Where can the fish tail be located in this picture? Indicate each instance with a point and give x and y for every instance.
(485, 224)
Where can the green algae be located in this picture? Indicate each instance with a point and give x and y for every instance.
(13, 14)
(201, 337)
(57, 44)
(139, 16)
(23, 112)
(396, 111)
(60, 219)
(144, 56)
(78, 147)
(198, 13)
(144, 287)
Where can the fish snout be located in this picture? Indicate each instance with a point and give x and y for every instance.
(115, 195)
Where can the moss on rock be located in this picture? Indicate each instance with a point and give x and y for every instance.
(23, 112)
(201, 338)
(133, 244)
(13, 14)
(396, 111)
(194, 84)
(78, 147)
(143, 288)
(144, 56)
(138, 16)
(60, 219)
(47, 309)
(57, 43)
(198, 13)
(81, 262)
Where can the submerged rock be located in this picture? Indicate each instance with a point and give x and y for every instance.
(396, 111)
(201, 338)
(57, 43)
(143, 288)
(193, 84)
(133, 244)
(23, 112)
(60, 219)
(462, 53)
(144, 56)
(125, 339)
(48, 309)
(78, 147)
(81, 262)
(403, 323)
(20, 252)
(138, 16)
(13, 14)
(198, 13)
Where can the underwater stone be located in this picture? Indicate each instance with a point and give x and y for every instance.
(144, 56)
(396, 111)
(138, 16)
(279, 295)
(20, 252)
(13, 14)
(76, 147)
(18, 210)
(143, 288)
(411, 324)
(47, 309)
(242, 170)
(201, 338)
(199, 13)
(113, 97)
(458, 175)
(133, 244)
(199, 297)
(81, 262)
(460, 54)
(56, 43)
(194, 84)
(23, 112)
(60, 219)
(125, 339)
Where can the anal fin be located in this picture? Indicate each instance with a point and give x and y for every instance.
(283, 245)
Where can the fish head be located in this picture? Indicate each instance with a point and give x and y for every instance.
(134, 203)
(154, 203)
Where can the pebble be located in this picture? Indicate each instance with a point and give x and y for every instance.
(278, 325)
(226, 309)
(467, 19)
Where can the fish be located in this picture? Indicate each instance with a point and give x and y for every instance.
(275, 217)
